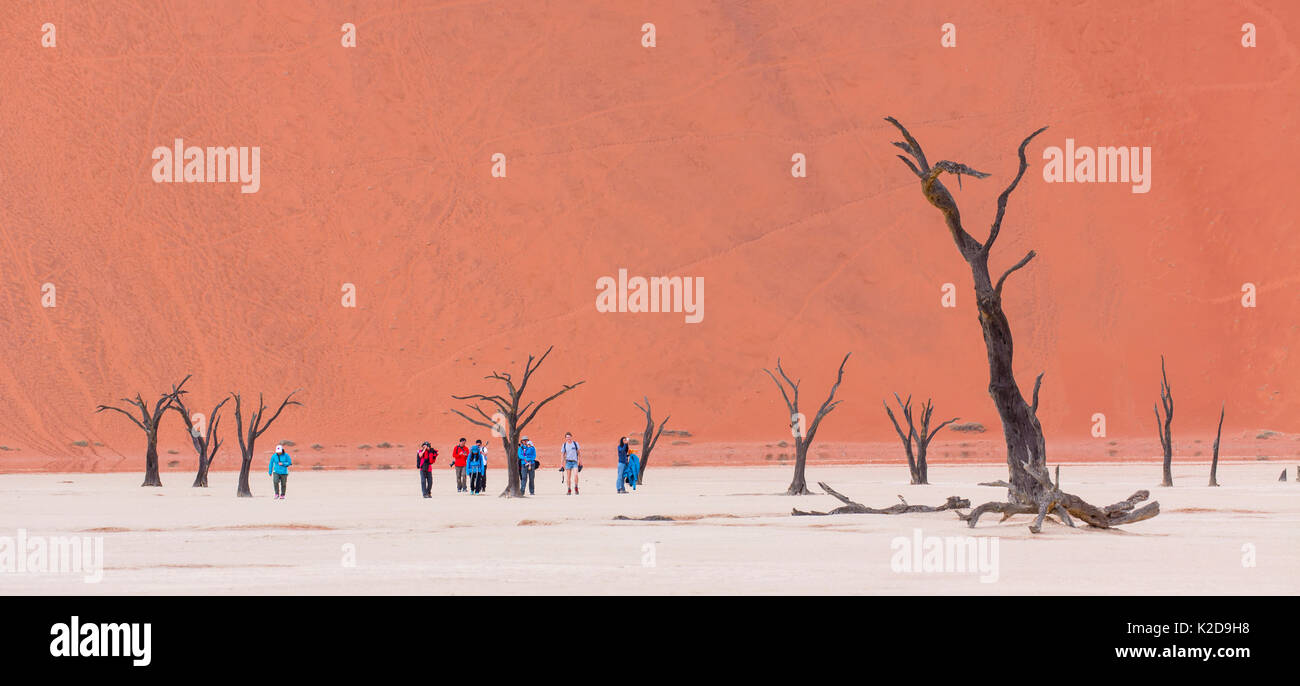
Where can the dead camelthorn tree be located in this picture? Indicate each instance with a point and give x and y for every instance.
(649, 437)
(803, 430)
(511, 418)
(1163, 427)
(205, 444)
(250, 432)
(1214, 463)
(916, 462)
(1027, 489)
(148, 422)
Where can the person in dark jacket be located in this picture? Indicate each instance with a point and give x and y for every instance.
(623, 450)
(424, 460)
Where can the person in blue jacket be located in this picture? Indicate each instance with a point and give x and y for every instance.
(476, 466)
(623, 450)
(632, 470)
(527, 465)
(279, 471)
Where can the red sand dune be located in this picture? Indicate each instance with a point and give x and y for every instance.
(673, 160)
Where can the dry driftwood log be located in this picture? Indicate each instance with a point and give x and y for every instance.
(902, 507)
(1052, 500)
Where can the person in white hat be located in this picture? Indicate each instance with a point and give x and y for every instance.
(279, 471)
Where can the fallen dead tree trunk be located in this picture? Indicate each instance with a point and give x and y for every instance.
(851, 507)
(1052, 500)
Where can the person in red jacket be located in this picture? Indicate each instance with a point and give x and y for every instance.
(459, 455)
(424, 460)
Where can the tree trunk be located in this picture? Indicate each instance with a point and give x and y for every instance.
(244, 466)
(1020, 427)
(799, 485)
(922, 475)
(201, 478)
(1214, 463)
(513, 486)
(151, 477)
(1167, 478)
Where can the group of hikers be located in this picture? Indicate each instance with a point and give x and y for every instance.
(470, 465)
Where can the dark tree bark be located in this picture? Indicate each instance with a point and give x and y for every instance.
(916, 458)
(1214, 463)
(850, 507)
(1019, 418)
(250, 432)
(1020, 425)
(649, 438)
(511, 417)
(1163, 427)
(205, 446)
(148, 422)
(803, 431)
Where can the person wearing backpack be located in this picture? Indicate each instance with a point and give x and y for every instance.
(424, 460)
(278, 469)
(572, 454)
(476, 466)
(527, 465)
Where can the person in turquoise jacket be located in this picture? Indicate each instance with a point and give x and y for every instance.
(527, 465)
(279, 471)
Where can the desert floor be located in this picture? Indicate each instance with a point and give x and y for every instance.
(732, 534)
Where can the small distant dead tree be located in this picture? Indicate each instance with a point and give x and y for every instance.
(250, 432)
(1163, 427)
(649, 437)
(148, 423)
(803, 431)
(1028, 489)
(850, 507)
(916, 462)
(1214, 463)
(205, 445)
(510, 418)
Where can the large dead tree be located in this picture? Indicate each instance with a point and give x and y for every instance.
(148, 423)
(1214, 463)
(205, 444)
(1020, 425)
(1163, 427)
(250, 432)
(512, 416)
(649, 437)
(916, 460)
(803, 430)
